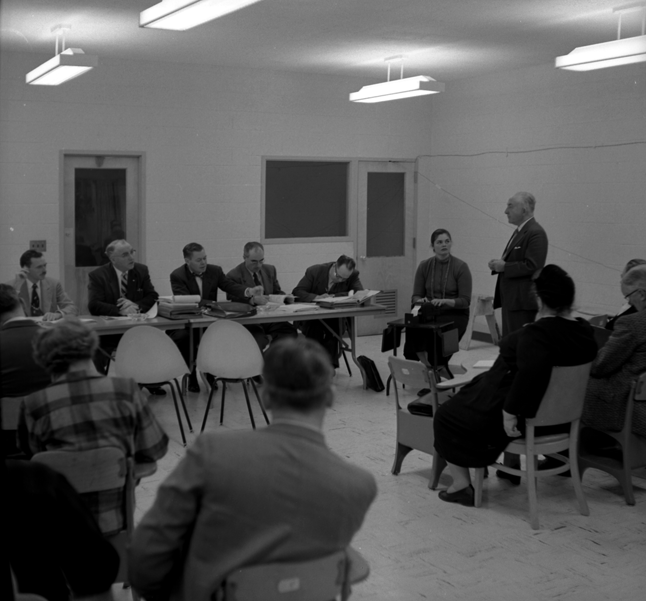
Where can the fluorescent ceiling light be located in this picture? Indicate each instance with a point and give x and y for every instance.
(420, 85)
(608, 54)
(180, 15)
(66, 65)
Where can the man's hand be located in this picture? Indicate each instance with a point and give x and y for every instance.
(260, 300)
(255, 291)
(127, 307)
(22, 274)
(497, 265)
(52, 316)
(509, 423)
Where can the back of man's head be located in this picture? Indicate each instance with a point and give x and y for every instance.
(10, 305)
(349, 262)
(635, 277)
(298, 376)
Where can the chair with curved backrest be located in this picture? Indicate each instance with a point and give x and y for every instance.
(630, 453)
(96, 470)
(416, 431)
(150, 357)
(229, 353)
(322, 579)
(561, 404)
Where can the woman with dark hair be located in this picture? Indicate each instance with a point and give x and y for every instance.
(443, 289)
(473, 428)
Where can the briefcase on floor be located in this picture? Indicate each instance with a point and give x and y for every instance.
(373, 379)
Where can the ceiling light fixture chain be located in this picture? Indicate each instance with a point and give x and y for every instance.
(60, 31)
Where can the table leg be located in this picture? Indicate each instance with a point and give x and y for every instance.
(353, 350)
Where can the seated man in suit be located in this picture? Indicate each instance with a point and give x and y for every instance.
(120, 287)
(41, 295)
(323, 281)
(197, 277)
(253, 271)
(222, 508)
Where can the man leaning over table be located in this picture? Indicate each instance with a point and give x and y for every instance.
(323, 281)
(119, 288)
(197, 277)
(42, 296)
(253, 271)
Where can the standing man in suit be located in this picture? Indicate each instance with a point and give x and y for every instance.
(197, 277)
(222, 508)
(120, 287)
(42, 296)
(323, 281)
(253, 271)
(524, 254)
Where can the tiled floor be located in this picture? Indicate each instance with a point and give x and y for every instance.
(421, 548)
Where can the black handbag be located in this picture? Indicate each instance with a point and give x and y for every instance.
(373, 379)
(391, 338)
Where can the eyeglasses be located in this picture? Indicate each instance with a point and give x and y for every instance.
(338, 275)
(631, 293)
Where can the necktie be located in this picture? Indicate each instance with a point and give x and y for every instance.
(199, 275)
(124, 284)
(509, 244)
(35, 302)
(256, 280)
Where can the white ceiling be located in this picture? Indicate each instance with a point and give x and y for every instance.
(446, 39)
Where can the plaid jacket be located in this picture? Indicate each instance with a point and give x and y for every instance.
(81, 411)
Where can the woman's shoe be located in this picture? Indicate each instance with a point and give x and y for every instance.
(515, 480)
(465, 496)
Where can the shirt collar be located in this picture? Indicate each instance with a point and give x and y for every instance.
(119, 273)
(297, 423)
(522, 225)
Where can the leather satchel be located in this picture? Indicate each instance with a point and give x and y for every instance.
(228, 310)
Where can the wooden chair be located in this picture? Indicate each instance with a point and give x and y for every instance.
(416, 431)
(632, 448)
(229, 352)
(321, 579)
(150, 357)
(96, 470)
(481, 305)
(561, 404)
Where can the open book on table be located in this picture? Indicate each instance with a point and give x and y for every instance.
(352, 300)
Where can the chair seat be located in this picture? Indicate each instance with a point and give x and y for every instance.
(519, 444)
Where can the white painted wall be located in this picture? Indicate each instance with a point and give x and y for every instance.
(591, 200)
(204, 131)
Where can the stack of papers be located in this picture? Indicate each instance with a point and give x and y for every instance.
(178, 306)
(352, 300)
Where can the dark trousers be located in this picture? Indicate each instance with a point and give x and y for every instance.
(107, 345)
(271, 332)
(514, 320)
(317, 331)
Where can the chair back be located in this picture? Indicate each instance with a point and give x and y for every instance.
(10, 408)
(410, 373)
(148, 356)
(316, 580)
(563, 400)
(227, 350)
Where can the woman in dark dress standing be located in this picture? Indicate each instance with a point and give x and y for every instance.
(473, 428)
(443, 289)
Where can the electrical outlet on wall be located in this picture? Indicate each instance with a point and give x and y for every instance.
(39, 245)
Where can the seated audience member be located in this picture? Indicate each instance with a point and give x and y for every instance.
(42, 296)
(82, 409)
(52, 541)
(19, 373)
(253, 271)
(323, 281)
(473, 428)
(443, 289)
(627, 308)
(621, 360)
(197, 277)
(223, 509)
(120, 287)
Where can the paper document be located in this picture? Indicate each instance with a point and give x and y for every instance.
(180, 298)
(297, 308)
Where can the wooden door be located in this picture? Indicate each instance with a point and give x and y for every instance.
(385, 237)
(102, 202)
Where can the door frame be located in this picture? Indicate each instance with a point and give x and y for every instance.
(140, 156)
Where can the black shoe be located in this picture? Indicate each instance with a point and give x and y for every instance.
(211, 381)
(423, 392)
(515, 480)
(156, 391)
(464, 497)
(193, 385)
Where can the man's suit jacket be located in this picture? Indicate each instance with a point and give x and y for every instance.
(315, 280)
(240, 275)
(222, 508)
(104, 291)
(182, 281)
(19, 373)
(523, 258)
(52, 296)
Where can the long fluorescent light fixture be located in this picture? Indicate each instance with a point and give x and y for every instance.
(608, 54)
(420, 85)
(66, 65)
(180, 15)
